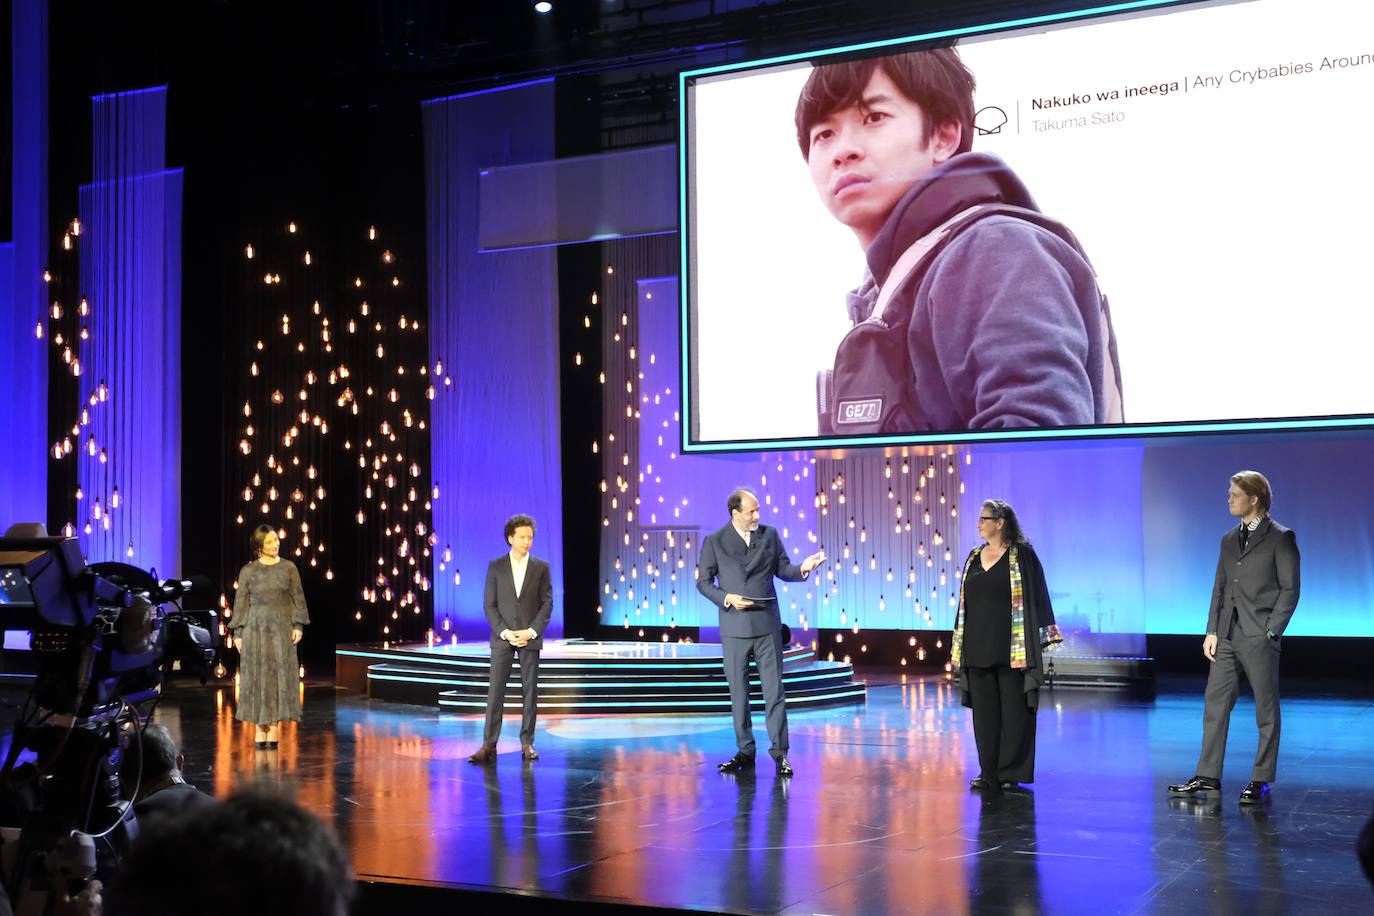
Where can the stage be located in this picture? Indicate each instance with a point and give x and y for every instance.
(630, 811)
(579, 676)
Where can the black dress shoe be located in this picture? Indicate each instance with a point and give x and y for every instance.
(737, 764)
(528, 752)
(784, 768)
(271, 745)
(1195, 785)
(486, 754)
(261, 745)
(977, 784)
(1254, 793)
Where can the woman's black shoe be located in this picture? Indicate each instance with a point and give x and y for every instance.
(261, 745)
(270, 745)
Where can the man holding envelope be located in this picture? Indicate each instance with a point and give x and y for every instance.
(736, 570)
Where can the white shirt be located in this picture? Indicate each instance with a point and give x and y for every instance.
(743, 534)
(518, 565)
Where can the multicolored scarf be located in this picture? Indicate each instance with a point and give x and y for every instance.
(1018, 612)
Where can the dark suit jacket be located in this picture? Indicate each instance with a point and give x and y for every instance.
(172, 805)
(530, 611)
(727, 566)
(1261, 581)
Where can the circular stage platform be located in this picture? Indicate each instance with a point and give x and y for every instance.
(577, 676)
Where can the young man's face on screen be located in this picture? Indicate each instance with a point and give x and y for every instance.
(865, 157)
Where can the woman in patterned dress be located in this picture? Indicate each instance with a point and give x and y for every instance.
(269, 620)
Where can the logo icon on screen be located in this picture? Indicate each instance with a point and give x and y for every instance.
(989, 120)
(865, 411)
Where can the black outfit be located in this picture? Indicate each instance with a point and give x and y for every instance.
(987, 606)
(172, 805)
(1003, 725)
(1003, 698)
(505, 610)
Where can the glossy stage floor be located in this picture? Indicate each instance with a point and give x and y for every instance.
(629, 810)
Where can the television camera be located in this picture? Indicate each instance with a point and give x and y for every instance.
(103, 639)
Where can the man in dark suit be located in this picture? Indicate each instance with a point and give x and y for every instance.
(1253, 598)
(736, 570)
(518, 602)
(164, 795)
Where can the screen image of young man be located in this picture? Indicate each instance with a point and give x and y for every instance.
(976, 310)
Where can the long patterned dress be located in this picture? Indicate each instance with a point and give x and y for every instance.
(268, 604)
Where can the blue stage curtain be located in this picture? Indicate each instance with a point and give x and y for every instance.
(23, 358)
(658, 504)
(1321, 491)
(131, 276)
(1079, 504)
(494, 353)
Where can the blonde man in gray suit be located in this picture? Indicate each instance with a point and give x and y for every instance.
(1253, 598)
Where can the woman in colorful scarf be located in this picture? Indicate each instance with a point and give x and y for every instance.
(1004, 621)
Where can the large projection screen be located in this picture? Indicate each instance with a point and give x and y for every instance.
(1211, 159)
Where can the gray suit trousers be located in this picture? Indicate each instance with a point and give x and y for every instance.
(768, 656)
(1258, 658)
(501, 658)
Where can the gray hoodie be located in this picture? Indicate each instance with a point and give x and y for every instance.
(1007, 327)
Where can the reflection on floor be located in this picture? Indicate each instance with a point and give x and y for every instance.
(878, 819)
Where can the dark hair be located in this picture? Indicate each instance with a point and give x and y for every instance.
(736, 500)
(159, 752)
(935, 79)
(151, 762)
(256, 852)
(1253, 483)
(518, 521)
(260, 534)
(1011, 530)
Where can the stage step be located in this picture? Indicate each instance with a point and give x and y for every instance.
(699, 702)
(586, 677)
(1137, 674)
(404, 682)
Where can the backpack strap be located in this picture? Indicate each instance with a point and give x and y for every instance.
(912, 258)
(915, 260)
